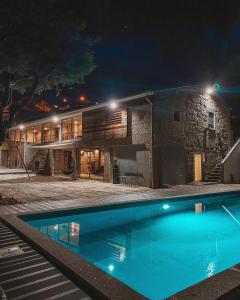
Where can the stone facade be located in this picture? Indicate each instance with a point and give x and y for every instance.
(213, 144)
(177, 140)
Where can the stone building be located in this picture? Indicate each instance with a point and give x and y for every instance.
(151, 139)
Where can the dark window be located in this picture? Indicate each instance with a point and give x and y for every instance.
(211, 120)
(177, 116)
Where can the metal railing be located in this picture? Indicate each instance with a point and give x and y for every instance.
(2, 293)
(20, 155)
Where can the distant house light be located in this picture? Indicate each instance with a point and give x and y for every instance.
(82, 98)
(21, 127)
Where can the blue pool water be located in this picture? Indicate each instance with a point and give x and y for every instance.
(157, 249)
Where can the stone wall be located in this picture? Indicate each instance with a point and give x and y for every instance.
(213, 144)
(176, 141)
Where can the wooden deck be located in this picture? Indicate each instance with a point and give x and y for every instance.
(30, 275)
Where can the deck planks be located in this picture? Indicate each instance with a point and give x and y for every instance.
(31, 276)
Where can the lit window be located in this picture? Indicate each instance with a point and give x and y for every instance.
(211, 120)
(177, 116)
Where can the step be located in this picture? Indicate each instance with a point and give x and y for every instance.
(211, 178)
(216, 173)
(218, 168)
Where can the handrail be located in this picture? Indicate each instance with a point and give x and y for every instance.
(2, 293)
(23, 162)
(230, 152)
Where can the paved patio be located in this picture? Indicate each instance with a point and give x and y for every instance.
(46, 193)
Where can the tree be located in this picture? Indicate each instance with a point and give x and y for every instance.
(43, 46)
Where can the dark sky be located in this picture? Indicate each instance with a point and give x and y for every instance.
(147, 45)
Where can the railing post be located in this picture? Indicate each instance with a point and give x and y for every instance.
(23, 162)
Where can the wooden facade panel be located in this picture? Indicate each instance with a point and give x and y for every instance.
(104, 124)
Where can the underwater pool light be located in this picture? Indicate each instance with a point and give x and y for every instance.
(166, 206)
(111, 268)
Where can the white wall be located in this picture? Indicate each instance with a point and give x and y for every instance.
(231, 165)
(29, 153)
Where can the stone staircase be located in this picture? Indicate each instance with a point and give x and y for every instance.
(216, 175)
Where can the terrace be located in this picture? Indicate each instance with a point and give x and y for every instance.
(85, 194)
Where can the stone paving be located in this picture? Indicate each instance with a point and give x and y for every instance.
(88, 192)
(41, 188)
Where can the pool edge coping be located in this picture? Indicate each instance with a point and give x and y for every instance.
(109, 206)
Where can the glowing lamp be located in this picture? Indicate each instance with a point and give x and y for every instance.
(82, 98)
(111, 268)
(113, 105)
(210, 90)
(21, 127)
(166, 206)
(55, 119)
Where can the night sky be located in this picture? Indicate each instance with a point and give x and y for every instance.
(148, 45)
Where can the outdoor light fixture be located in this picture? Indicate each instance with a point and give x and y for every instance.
(166, 206)
(55, 119)
(113, 105)
(210, 90)
(21, 127)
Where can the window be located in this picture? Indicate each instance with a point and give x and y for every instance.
(211, 120)
(177, 116)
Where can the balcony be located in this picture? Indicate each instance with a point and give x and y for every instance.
(55, 132)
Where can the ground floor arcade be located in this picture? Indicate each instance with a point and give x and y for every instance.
(138, 164)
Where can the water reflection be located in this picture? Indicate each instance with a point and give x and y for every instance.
(68, 233)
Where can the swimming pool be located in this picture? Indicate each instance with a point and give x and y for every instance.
(157, 248)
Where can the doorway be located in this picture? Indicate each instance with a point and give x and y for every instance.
(92, 164)
(197, 167)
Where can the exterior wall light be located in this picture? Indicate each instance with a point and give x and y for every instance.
(210, 90)
(113, 105)
(21, 127)
(55, 119)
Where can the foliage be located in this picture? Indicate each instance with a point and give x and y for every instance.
(43, 46)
